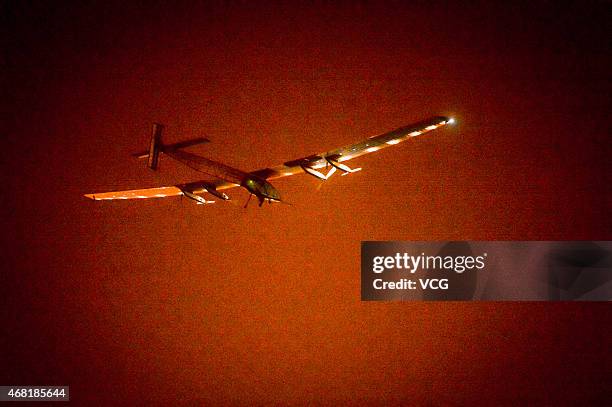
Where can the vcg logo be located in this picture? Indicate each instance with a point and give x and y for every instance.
(434, 283)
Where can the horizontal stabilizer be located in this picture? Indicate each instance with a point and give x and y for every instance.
(175, 146)
(155, 146)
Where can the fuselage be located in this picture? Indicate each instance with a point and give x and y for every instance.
(252, 183)
(260, 188)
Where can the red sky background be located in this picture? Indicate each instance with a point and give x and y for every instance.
(164, 300)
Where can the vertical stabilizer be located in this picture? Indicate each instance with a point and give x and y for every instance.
(155, 146)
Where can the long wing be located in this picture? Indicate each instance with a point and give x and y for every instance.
(310, 164)
(160, 192)
(336, 157)
(189, 189)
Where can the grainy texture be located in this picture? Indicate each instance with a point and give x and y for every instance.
(161, 300)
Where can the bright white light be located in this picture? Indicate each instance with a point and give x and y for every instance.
(392, 142)
(372, 149)
(414, 133)
(430, 127)
(451, 121)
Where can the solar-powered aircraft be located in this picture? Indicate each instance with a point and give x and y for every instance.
(258, 182)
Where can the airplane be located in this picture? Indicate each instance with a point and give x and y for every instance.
(257, 182)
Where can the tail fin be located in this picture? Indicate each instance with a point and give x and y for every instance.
(155, 146)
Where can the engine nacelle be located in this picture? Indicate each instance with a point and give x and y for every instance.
(197, 198)
(342, 167)
(211, 190)
(318, 174)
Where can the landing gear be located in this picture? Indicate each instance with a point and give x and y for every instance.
(261, 200)
(248, 200)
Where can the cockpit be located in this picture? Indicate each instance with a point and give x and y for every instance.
(261, 188)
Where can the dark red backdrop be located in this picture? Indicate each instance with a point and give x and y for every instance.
(165, 300)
